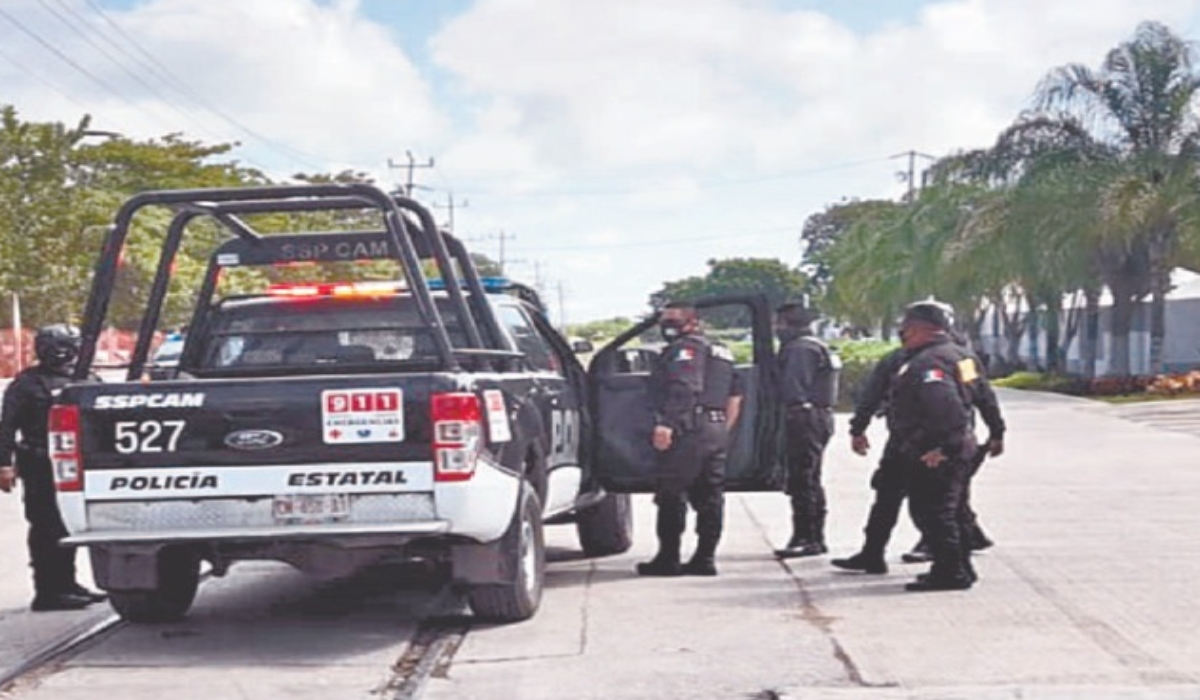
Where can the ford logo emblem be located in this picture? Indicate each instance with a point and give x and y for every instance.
(254, 439)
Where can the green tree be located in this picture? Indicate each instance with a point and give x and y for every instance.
(1141, 101)
(736, 277)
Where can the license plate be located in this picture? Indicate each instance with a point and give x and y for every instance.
(311, 508)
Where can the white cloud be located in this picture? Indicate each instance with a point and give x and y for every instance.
(595, 131)
(698, 91)
(331, 87)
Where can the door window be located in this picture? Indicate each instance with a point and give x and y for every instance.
(537, 351)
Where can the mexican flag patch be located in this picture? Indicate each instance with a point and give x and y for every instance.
(934, 375)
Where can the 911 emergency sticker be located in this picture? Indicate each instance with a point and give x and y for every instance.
(499, 429)
(357, 416)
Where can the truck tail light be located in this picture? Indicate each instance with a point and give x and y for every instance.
(63, 436)
(457, 420)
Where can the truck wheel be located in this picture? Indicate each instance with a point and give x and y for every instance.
(607, 527)
(178, 579)
(524, 549)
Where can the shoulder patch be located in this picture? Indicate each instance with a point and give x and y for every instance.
(967, 371)
(685, 355)
(933, 375)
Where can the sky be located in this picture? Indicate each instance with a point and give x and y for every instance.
(604, 147)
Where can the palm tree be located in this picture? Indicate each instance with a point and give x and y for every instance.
(1140, 103)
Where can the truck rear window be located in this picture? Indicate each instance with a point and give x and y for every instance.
(272, 333)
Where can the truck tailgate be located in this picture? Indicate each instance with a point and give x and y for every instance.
(256, 453)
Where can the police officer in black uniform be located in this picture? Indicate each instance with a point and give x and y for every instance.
(983, 399)
(930, 412)
(807, 379)
(890, 480)
(696, 399)
(26, 411)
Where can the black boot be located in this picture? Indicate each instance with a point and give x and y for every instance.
(94, 596)
(669, 526)
(978, 539)
(44, 602)
(663, 564)
(928, 582)
(666, 562)
(864, 562)
(703, 561)
(920, 554)
(801, 534)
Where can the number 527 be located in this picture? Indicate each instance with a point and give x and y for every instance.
(148, 436)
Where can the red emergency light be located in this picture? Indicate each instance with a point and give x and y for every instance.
(334, 289)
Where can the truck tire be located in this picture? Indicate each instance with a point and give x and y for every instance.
(170, 600)
(524, 548)
(607, 527)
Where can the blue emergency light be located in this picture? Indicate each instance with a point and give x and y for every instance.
(491, 285)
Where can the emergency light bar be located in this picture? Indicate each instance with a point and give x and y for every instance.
(491, 285)
(335, 289)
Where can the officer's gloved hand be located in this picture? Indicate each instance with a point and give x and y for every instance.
(8, 479)
(995, 447)
(860, 444)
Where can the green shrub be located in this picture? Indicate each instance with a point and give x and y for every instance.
(859, 358)
(1032, 381)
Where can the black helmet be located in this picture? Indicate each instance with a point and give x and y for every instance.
(930, 311)
(57, 346)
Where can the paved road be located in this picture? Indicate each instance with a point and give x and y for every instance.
(1090, 593)
(1179, 415)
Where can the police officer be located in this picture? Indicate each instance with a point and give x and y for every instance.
(890, 482)
(983, 399)
(807, 379)
(930, 413)
(696, 400)
(26, 411)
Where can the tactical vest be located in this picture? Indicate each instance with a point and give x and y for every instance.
(825, 386)
(718, 378)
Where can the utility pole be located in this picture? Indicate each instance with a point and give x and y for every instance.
(912, 168)
(562, 308)
(449, 206)
(502, 236)
(412, 164)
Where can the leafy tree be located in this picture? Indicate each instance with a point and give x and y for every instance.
(736, 277)
(1141, 102)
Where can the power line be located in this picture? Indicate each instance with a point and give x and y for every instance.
(116, 62)
(61, 56)
(162, 72)
(667, 241)
(912, 161)
(703, 184)
(450, 206)
(412, 164)
(33, 74)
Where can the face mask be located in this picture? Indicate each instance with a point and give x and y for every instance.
(787, 334)
(670, 329)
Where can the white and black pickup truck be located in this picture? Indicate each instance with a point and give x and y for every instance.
(348, 419)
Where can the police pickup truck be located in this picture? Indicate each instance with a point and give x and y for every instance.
(328, 422)
(371, 399)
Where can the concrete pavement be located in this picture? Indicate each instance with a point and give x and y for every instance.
(25, 634)
(1089, 593)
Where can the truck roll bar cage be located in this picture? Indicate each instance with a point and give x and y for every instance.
(403, 239)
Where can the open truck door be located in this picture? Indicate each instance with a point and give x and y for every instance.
(620, 389)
